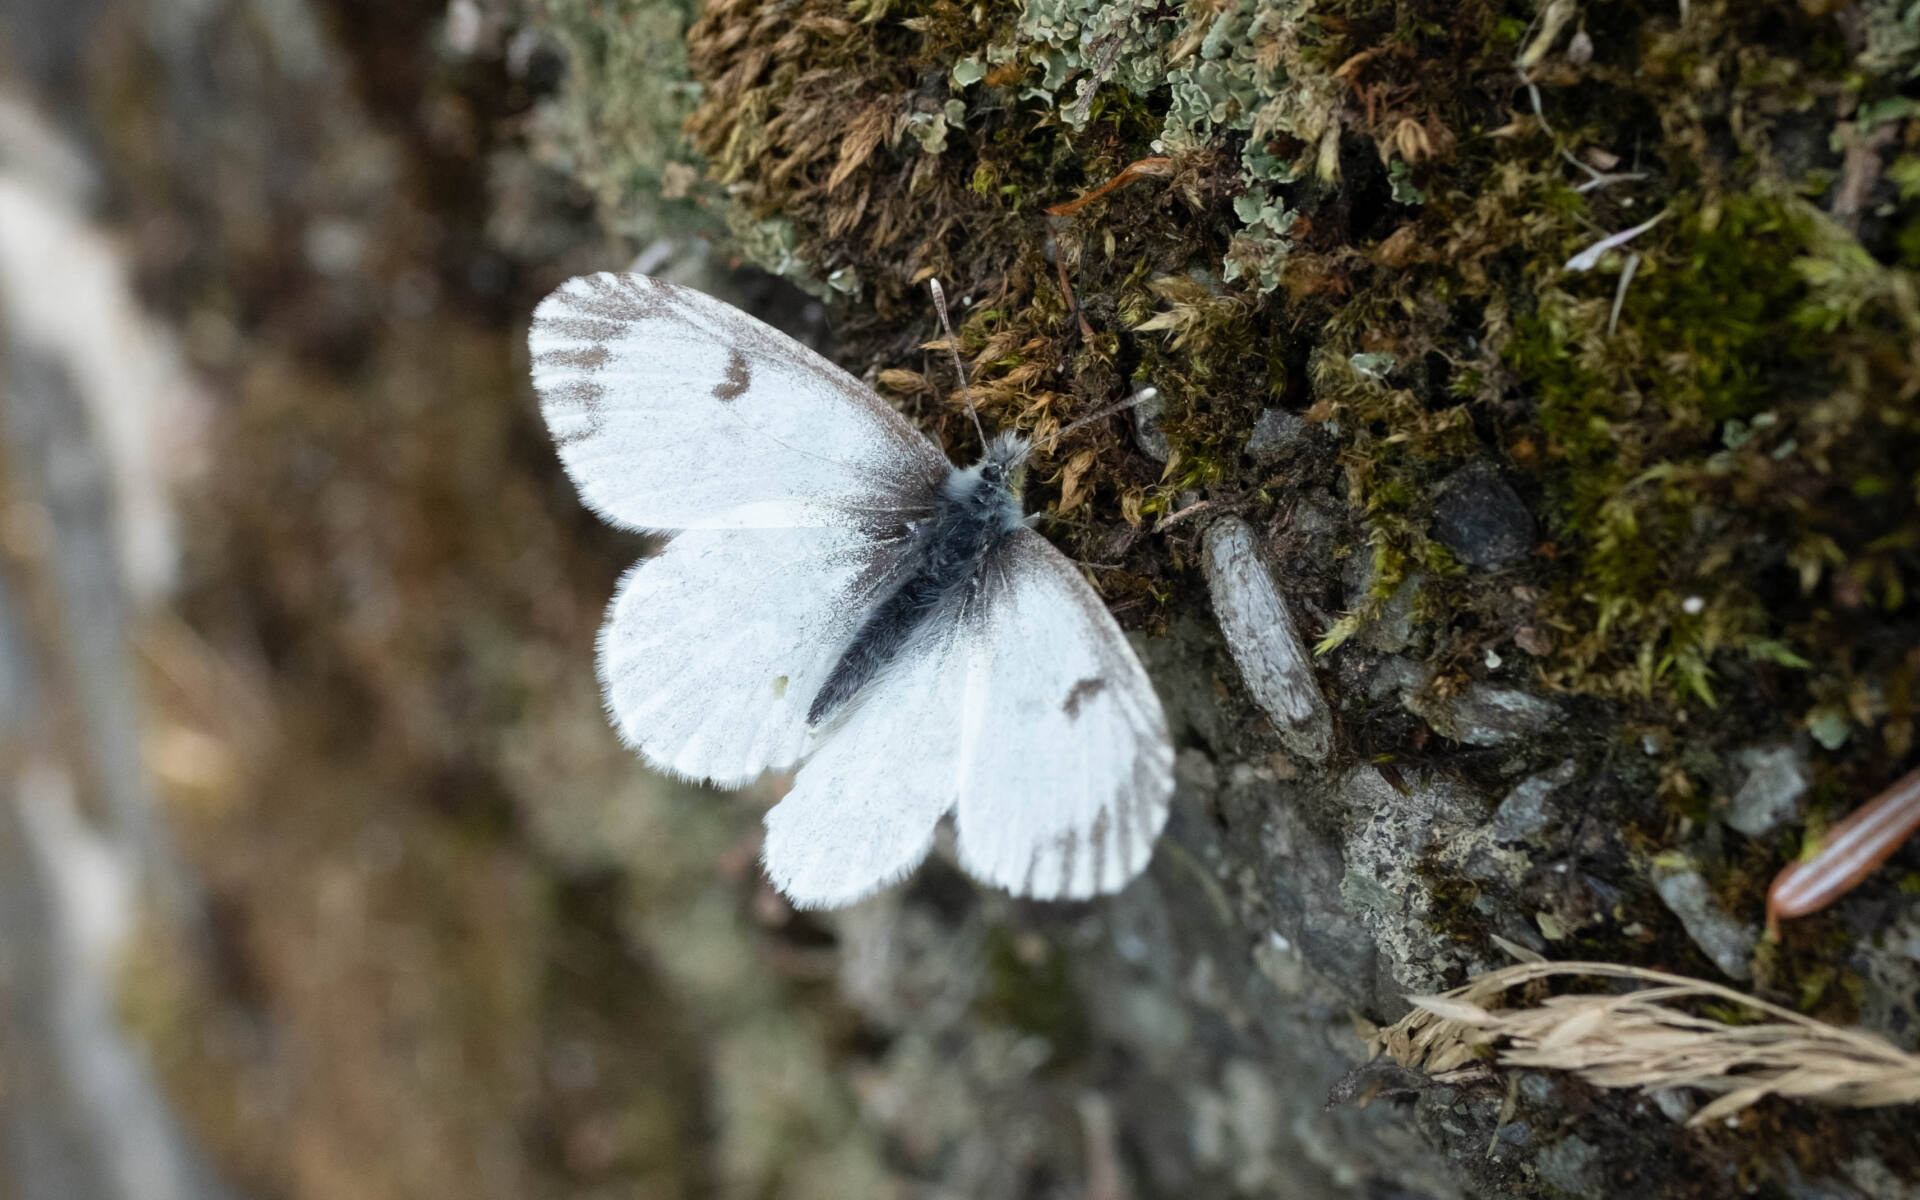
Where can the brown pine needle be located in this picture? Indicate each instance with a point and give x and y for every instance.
(1846, 854)
(1642, 1040)
(1145, 168)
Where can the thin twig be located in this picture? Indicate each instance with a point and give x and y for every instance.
(1156, 168)
(1595, 178)
(1600, 179)
(1589, 258)
(1620, 293)
(1174, 518)
(1066, 289)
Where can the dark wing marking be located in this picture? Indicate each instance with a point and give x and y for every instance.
(739, 378)
(1082, 690)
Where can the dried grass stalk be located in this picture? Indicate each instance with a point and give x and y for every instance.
(1642, 1039)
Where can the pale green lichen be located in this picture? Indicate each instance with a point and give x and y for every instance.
(1224, 71)
(1093, 44)
(616, 128)
(1892, 38)
(773, 245)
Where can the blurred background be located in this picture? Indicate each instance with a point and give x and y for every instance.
(322, 873)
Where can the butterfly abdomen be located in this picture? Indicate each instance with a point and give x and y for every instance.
(975, 509)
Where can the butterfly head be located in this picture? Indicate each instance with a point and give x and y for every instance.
(1005, 462)
(986, 495)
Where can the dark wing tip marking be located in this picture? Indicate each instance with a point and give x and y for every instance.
(578, 358)
(1102, 827)
(583, 396)
(614, 297)
(575, 327)
(1081, 692)
(739, 378)
(1069, 849)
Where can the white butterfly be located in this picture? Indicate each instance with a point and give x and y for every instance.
(841, 597)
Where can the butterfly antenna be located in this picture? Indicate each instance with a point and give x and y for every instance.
(1140, 396)
(953, 345)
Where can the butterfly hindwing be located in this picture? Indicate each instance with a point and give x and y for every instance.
(673, 410)
(1022, 708)
(863, 808)
(1068, 767)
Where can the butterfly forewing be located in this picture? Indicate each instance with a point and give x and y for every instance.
(1067, 764)
(673, 410)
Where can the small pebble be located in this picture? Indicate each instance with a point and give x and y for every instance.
(1479, 517)
(1274, 662)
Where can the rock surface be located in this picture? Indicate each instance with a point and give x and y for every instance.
(1478, 516)
(1488, 715)
(1274, 433)
(1147, 433)
(1769, 796)
(1727, 942)
(1526, 809)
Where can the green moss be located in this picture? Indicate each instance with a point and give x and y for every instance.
(1646, 430)
(1348, 222)
(1455, 913)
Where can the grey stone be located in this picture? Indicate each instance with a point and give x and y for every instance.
(1482, 519)
(1316, 519)
(1729, 943)
(1799, 1187)
(1273, 661)
(1356, 577)
(1393, 675)
(1273, 433)
(1524, 811)
(1390, 837)
(1676, 1104)
(1877, 1181)
(1392, 627)
(1572, 1166)
(1390, 632)
(1311, 915)
(1147, 433)
(1776, 779)
(1481, 714)
(1889, 965)
(1484, 714)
